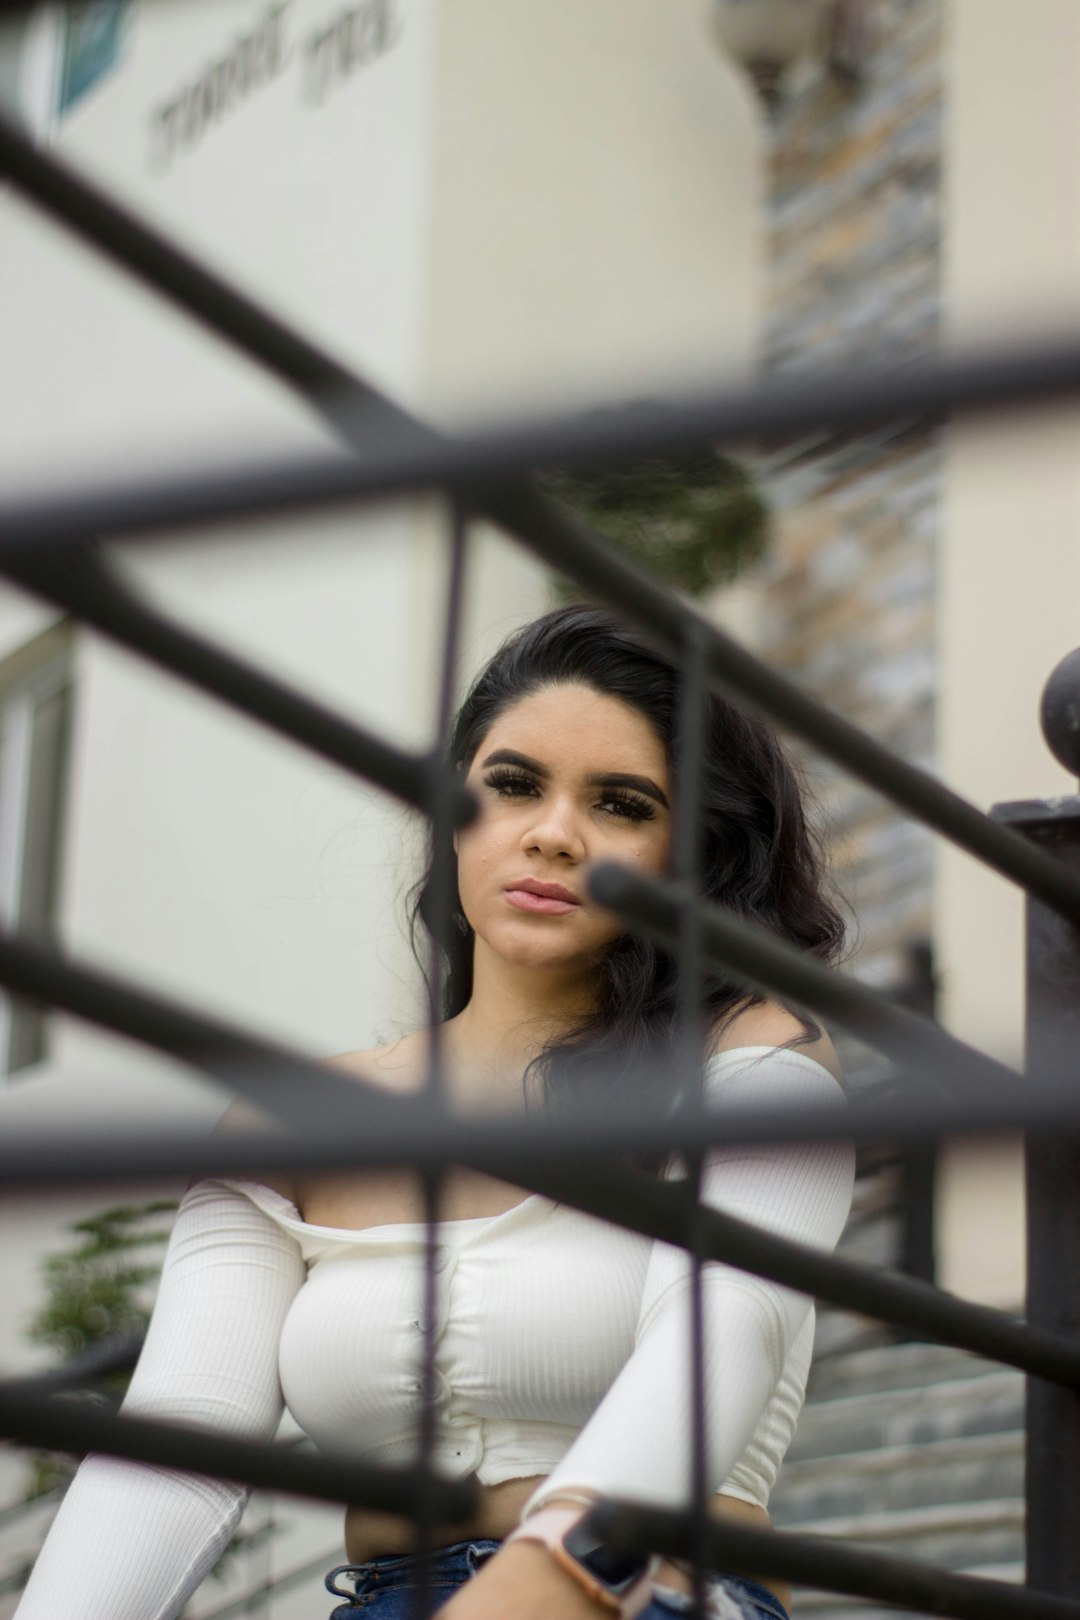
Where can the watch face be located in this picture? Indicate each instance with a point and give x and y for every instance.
(611, 1566)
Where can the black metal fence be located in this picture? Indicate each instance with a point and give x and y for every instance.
(49, 547)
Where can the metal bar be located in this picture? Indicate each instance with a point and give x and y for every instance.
(772, 966)
(371, 422)
(570, 1175)
(84, 585)
(395, 1128)
(820, 1562)
(689, 782)
(442, 878)
(74, 1426)
(348, 1110)
(1052, 1455)
(358, 412)
(499, 455)
(395, 1132)
(30, 531)
(109, 1356)
(569, 547)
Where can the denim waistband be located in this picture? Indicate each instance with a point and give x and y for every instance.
(452, 1566)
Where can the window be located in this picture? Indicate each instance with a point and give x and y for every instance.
(35, 725)
(51, 54)
(94, 37)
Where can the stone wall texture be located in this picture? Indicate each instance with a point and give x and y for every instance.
(848, 599)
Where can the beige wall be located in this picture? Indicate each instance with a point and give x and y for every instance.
(596, 226)
(1009, 604)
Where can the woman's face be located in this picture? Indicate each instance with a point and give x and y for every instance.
(565, 777)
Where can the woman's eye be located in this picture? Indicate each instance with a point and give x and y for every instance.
(627, 807)
(511, 784)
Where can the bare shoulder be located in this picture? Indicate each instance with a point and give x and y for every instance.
(770, 1024)
(242, 1115)
(399, 1065)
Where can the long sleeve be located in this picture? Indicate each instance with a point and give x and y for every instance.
(134, 1540)
(638, 1442)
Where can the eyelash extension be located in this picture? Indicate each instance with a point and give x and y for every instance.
(505, 779)
(624, 804)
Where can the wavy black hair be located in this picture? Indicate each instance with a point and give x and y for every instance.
(760, 858)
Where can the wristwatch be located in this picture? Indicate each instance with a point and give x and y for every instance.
(620, 1581)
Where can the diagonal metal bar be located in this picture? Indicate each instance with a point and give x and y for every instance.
(568, 546)
(357, 411)
(335, 1119)
(771, 965)
(331, 1140)
(60, 1424)
(109, 1356)
(658, 1209)
(370, 422)
(820, 1562)
(32, 531)
(82, 584)
(395, 1128)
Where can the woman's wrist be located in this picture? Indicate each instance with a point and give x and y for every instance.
(583, 1499)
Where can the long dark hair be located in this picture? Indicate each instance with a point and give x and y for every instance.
(760, 858)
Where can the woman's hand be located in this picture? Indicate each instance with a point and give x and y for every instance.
(522, 1582)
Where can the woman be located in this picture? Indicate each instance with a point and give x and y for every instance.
(562, 1355)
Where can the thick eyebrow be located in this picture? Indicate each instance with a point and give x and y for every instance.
(623, 779)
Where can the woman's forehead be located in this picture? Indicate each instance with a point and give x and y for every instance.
(572, 722)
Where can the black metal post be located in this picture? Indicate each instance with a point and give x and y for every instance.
(1053, 1160)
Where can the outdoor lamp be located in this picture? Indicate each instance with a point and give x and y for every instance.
(768, 36)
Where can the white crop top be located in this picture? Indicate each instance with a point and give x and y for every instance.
(562, 1351)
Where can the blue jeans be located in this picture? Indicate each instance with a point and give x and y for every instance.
(385, 1588)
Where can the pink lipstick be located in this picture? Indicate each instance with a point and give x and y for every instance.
(548, 899)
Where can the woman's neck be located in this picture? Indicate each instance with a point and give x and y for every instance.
(512, 1014)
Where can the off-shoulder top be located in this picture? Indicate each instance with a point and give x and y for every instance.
(562, 1351)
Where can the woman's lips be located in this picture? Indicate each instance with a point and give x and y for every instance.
(549, 904)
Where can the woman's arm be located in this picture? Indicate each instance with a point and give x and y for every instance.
(134, 1540)
(638, 1441)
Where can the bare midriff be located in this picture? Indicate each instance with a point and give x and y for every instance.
(376, 1535)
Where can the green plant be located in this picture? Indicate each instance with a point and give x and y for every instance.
(96, 1289)
(695, 518)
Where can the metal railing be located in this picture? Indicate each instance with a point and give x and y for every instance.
(49, 547)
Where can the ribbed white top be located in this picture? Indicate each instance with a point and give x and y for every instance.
(562, 1350)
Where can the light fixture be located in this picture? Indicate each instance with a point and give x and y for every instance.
(767, 37)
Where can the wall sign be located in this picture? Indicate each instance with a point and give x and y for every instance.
(324, 58)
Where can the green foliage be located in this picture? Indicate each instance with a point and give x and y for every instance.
(98, 1288)
(695, 518)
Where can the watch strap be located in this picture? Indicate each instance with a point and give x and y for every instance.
(548, 1526)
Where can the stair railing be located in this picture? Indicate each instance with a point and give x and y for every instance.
(49, 546)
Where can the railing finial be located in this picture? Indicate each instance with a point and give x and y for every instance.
(1060, 713)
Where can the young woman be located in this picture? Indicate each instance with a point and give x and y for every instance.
(562, 1350)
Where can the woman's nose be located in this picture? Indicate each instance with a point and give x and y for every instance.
(555, 831)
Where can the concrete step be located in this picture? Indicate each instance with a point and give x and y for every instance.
(987, 1403)
(953, 1535)
(899, 1477)
(890, 1366)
